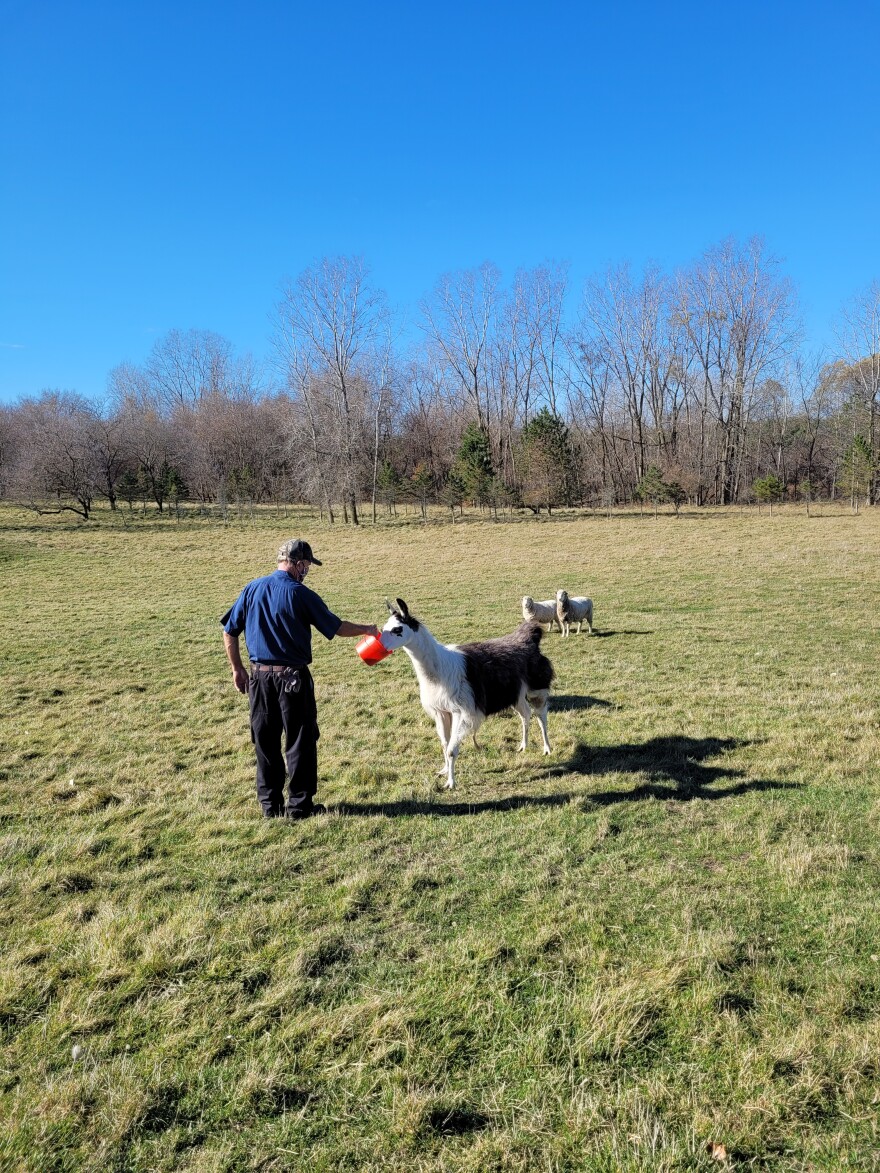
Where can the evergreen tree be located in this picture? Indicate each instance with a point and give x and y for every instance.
(856, 471)
(769, 488)
(130, 486)
(653, 488)
(453, 492)
(421, 482)
(550, 461)
(473, 465)
(390, 484)
(175, 486)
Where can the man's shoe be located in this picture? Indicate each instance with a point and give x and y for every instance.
(315, 809)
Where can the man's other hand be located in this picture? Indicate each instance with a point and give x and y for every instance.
(240, 679)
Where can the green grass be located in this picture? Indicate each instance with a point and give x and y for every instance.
(663, 936)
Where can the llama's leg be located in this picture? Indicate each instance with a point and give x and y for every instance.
(540, 706)
(443, 722)
(525, 713)
(461, 727)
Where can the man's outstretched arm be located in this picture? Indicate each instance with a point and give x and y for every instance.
(348, 629)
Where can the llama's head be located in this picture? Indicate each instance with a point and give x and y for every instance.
(401, 626)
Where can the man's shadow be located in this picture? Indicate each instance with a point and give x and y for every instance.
(675, 767)
(442, 808)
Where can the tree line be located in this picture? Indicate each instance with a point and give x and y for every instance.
(693, 386)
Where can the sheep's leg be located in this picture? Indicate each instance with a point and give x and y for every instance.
(443, 722)
(580, 625)
(565, 628)
(525, 713)
(540, 702)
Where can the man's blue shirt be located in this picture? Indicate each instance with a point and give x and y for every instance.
(277, 614)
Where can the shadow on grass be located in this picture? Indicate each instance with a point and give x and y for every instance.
(674, 765)
(441, 807)
(570, 704)
(605, 634)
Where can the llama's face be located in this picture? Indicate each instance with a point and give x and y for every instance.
(400, 628)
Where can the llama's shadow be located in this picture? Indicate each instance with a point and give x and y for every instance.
(675, 767)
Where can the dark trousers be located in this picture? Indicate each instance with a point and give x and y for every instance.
(293, 715)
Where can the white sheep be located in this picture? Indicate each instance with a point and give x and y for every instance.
(540, 612)
(573, 609)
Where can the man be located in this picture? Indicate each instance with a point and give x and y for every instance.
(276, 614)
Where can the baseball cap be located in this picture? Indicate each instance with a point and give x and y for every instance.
(296, 550)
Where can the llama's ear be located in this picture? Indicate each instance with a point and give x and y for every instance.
(389, 606)
(402, 608)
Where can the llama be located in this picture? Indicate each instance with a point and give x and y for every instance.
(573, 609)
(462, 684)
(540, 612)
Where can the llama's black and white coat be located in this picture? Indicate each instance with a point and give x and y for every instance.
(462, 684)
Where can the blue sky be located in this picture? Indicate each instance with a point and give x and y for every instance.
(170, 165)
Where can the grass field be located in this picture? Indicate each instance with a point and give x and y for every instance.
(656, 949)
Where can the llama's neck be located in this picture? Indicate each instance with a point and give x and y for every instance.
(431, 660)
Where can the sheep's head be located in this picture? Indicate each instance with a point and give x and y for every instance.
(400, 628)
(562, 597)
(528, 604)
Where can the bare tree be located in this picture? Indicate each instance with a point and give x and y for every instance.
(525, 351)
(459, 320)
(9, 445)
(113, 453)
(56, 469)
(859, 335)
(628, 329)
(740, 323)
(185, 366)
(431, 418)
(156, 444)
(330, 324)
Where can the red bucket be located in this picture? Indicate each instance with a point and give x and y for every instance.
(372, 650)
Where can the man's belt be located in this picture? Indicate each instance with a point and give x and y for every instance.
(280, 669)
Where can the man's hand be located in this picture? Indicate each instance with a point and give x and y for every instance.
(240, 678)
